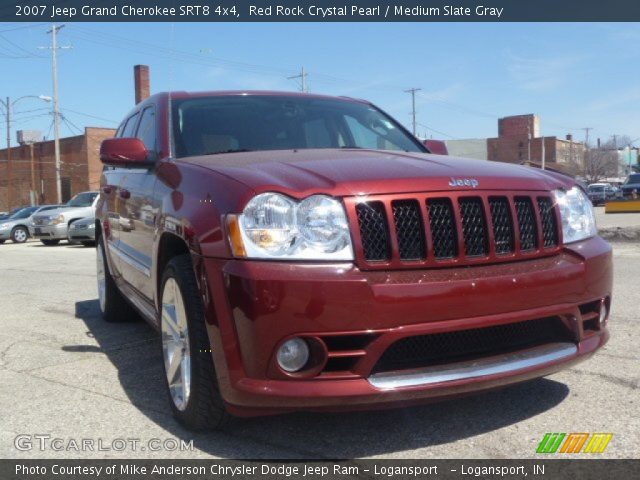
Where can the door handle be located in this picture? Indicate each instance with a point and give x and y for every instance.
(124, 193)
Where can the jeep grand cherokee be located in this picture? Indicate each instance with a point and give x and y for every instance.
(301, 251)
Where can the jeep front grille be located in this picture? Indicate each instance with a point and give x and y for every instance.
(453, 229)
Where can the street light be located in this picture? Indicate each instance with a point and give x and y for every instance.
(8, 107)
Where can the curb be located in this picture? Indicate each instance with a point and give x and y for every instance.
(620, 234)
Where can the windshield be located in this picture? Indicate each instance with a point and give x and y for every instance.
(596, 188)
(82, 199)
(634, 178)
(209, 125)
(24, 213)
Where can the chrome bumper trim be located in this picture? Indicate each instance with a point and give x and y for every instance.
(506, 363)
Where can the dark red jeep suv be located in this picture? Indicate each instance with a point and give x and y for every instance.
(302, 251)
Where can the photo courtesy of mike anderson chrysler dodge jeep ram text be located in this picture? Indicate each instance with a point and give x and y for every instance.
(305, 252)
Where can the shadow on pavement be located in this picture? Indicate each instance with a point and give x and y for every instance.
(134, 350)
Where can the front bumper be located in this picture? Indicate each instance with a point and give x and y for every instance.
(49, 232)
(82, 234)
(252, 306)
(5, 234)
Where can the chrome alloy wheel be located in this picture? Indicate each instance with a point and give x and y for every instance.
(175, 344)
(102, 278)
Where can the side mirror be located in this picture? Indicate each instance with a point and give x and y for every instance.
(436, 146)
(124, 151)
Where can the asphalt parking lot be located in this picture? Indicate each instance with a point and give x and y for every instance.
(67, 374)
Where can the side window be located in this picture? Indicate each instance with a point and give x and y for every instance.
(129, 128)
(147, 128)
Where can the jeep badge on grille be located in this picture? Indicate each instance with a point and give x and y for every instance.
(463, 182)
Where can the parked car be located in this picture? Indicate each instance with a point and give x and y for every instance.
(16, 227)
(632, 184)
(54, 226)
(599, 193)
(6, 215)
(83, 231)
(305, 252)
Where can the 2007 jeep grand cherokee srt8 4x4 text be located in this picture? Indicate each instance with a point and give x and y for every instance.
(300, 251)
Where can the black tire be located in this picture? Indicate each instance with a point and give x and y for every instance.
(19, 235)
(2, 241)
(88, 243)
(50, 243)
(115, 309)
(205, 408)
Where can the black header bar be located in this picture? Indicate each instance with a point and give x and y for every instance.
(319, 11)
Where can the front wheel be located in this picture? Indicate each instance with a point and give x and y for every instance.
(190, 376)
(19, 235)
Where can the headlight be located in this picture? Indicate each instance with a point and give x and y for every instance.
(56, 220)
(4, 225)
(91, 225)
(578, 217)
(278, 227)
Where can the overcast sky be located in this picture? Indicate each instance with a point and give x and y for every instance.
(571, 75)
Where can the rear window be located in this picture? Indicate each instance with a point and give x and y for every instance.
(82, 199)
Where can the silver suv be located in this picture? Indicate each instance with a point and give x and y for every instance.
(54, 226)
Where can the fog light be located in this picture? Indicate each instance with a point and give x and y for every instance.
(603, 313)
(293, 355)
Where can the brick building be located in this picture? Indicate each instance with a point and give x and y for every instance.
(29, 178)
(32, 169)
(519, 141)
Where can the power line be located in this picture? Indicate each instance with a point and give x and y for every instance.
(91, 116)
(437, 131)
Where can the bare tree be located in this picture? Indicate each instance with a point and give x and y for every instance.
(600, 163)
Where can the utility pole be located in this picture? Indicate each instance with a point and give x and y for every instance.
(56, 109)
(303, 80)
(544, 159)
(529, 143)
(413, 91)
(9, 163)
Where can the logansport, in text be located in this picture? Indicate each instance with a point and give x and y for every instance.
(377, 11)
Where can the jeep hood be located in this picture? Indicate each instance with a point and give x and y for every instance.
(347, 172)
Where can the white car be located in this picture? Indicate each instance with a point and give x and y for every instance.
(54, 226)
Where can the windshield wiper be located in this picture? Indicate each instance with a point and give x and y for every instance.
(350, 146)
(231, 150)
